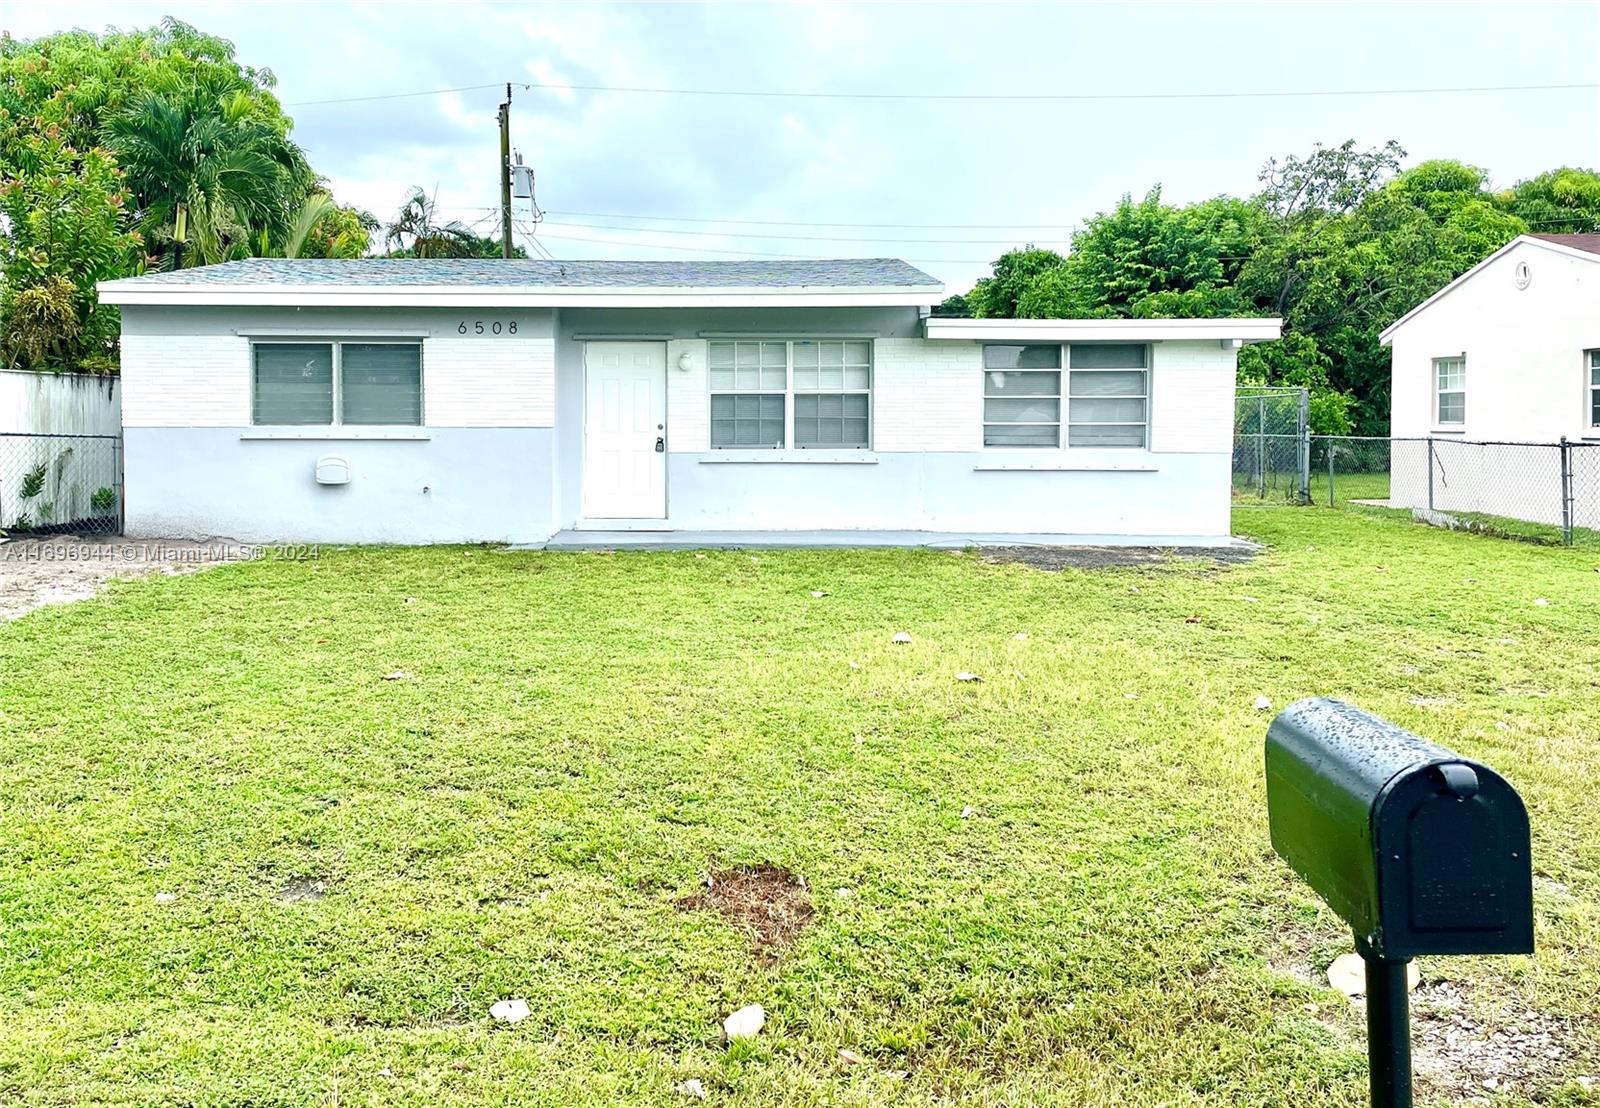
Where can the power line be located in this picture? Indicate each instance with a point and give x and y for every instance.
(748, 253)
(773, 94)
(395, 95)
(1063, 96)
(794, 238)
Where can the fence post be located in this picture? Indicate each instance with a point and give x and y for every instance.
(122, 491)
(1328, 442)
(1305, 447)
(1566, 492)
(1261, 447)
(1430, 473)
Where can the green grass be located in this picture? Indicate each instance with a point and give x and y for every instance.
(583, 736)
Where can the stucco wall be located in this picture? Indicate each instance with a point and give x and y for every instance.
(1525, 370)
(455, 485)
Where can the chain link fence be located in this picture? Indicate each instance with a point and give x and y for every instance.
(1535, 491)
(1270, 457)
(60, 484)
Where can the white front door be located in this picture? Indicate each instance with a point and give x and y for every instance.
(624, 430)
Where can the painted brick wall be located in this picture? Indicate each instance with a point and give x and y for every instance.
(499, 382)
(1191, 397)
(928, 395)
(688, 397)
(185, 380)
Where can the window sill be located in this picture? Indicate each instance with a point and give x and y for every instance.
(790, 457)
(336, 434)
(1064, 466)
(1448, 431)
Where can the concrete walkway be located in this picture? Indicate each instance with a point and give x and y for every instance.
(940, 540)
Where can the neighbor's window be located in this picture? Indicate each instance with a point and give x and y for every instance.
(1450, 383)
(1022, 395)
(1594, 388)
(331, 383)
(821, 388)
(1108, 395)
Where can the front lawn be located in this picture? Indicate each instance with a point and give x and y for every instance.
(238, 865)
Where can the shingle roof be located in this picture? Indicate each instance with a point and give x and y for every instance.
(1588, 243)
(517, 273)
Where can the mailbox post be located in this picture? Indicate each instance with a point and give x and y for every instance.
(1420, 850)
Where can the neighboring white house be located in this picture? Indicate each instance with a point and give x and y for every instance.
(1509, 352)
(382, 400)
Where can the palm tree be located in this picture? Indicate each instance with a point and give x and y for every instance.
(320, 228)
(205, 172)
(414, 232)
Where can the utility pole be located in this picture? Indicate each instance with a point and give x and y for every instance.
(505, 175)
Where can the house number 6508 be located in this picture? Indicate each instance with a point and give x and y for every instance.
(479, 327)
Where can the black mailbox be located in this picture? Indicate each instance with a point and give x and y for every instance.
(1419, 849)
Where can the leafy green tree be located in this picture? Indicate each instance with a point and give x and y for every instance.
(1295, 361)
(1349, 274)
(321, 228)
(107, 144)
(206, 171)
(954, 305)
(1561, 202)
(996, 296)
(340, 232)
(64, 231)
(1154, 260)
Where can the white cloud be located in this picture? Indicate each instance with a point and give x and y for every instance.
(939, 163)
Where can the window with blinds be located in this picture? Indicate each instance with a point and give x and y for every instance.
(1105, 389)
(337, 383)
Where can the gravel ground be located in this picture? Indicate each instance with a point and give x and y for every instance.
(36, 572)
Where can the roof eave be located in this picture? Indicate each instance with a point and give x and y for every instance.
(1243, 329)
(131, 292)
(1387, 334)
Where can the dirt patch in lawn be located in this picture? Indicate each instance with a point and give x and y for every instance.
(769, 902)
(1053, 558)
(64, 568)
(303, 889)
(1515, 1050)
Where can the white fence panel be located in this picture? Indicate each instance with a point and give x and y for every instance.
(59, 404)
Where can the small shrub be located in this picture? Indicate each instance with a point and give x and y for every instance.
(103, 500)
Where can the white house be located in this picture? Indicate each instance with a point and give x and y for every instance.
(600, 402)
(1509, 352)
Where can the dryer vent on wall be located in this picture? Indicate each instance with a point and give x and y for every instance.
(332, 470)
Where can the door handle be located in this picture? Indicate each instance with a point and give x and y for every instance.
(661, 444)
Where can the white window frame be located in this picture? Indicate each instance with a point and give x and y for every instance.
(1059, 396)
(790, 392)
(1591, 392)
(1069, 423)
(1063, 397)
(1440, 392)
(338, 376)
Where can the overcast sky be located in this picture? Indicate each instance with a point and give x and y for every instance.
(891, 163)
